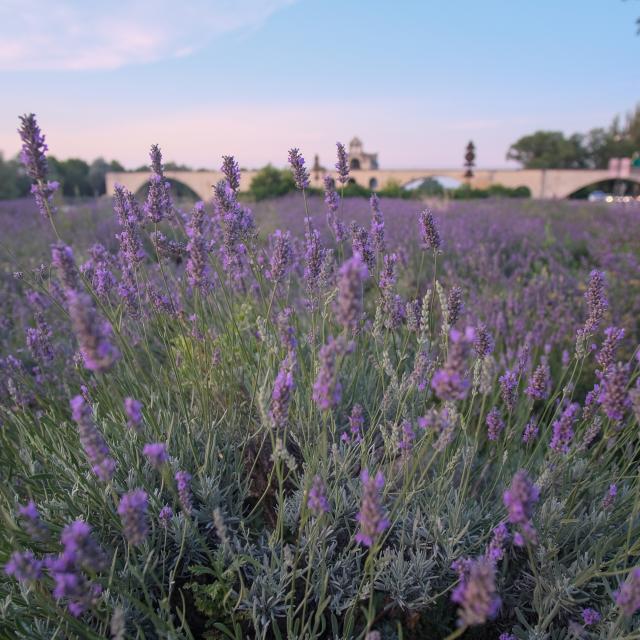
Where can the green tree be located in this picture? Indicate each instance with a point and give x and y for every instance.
(13, 181)
(270, 182)
(549, 150)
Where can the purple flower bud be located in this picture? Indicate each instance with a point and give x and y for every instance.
(158, 204)
(231, 170)
(33, 157)
(628, 596)
(540, 382)
(451, 382)
(24, 567)
(80, 548)
(94, 445)
(183, 484)
(429, 231)
(476, 594)
(327, 390)
(613, 392)
(342, 166)
(495, 424)
(499, 539)
(455, 305)
(332, 200)
(520, 500)
(530, 432)
(377, 224)
(166, 513)
(361, 244)
(590, 616)
(300, 173)
(509, 389)
(610, 497)
(133, 410)
(282, 256)
(31, 521)
(282, 391)
(606, 355)
(156, 453)
(349, 302)
(371, 516)
(197, 268)
(317, 501)
(483, 342)
(563, 429)
(132, 510)
(65, 264)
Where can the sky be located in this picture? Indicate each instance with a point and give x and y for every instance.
(415, 80)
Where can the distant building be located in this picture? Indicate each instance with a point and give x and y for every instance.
(358, 159)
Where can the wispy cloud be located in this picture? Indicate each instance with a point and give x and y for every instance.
(102, 34)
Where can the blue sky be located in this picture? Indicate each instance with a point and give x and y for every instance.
(414, 79)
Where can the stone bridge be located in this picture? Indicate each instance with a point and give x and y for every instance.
(543, 183)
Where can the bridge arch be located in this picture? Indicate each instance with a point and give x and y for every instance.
(179, 190)
(614, 186)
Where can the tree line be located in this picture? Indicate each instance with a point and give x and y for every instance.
(591, 150)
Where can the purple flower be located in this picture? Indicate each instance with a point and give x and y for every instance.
(133, 410)
(332, 200)
(476, 594)
(166, 513)
(94, 445)
(356, 425)
(327, 390)
(499, 538)
(429, 230)
(132, 510)
(128, 214)
(377, 224)
(563, 429)
(590, 616)
(80, 548)
(183, 484)
(317, 501)
(520, 500)
(451, 382)
(231, 170)
(509, 389)
(455, 305)
(93, 333)
(610, 497)
(507, 636)
(628, 596)
(31, 521)
(300, 173)
(349, 303)
(495, 424)
(283, 388)
(371, 516)
(393, 308)
(606, 355)
(24, 566)
(538, 388)
(158, 204)
(282, 256)
(407, 437)
(483, 342)
(197, 268)
(33, 157)
(613, 396)
(38, 340)
(65, 264)
(361, 244)
(530, 432)
(314, 257)
(342, 166)
(156, 453)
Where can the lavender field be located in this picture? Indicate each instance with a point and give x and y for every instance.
(317, 417)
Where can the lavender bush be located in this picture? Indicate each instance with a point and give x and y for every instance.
(384, 422)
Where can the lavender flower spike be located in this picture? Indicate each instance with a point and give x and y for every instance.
(371, 516)
(158, 204)
(429, 231)
(476, 594)
(132, 510)
(24, 567)
(156, 454)
(349, 300)
(133, 410)
(628, 597)
(31, 521)
(282, 391)
(33, 157)
(92, 441)
(342, 166)
(183, 483)
(300, 172)
(231, 170)
(563, 429)
(520, 499)
(317, 498)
